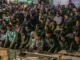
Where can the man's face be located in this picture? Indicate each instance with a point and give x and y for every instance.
(48, 20)
(0, 19)
(38, 37)
(77, 39)
(2, 31)
(25, 19)
(77, 23)
(57, 15)
(75, 32)
(37, 27)
(62, 38)
(17, 26)
(66, 17)
(9, 28)
(48, 35)
(41, 21)
(46, 28)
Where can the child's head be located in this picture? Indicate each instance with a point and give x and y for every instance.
(9, 27)
(38, 36)
(3, 29)
(62, 36)
(48, 34)
(75, 31)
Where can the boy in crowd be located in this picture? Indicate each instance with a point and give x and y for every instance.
(63, 43)
(49, 42)
(10, 37)
(75, 45)
(39, 42)
(2, 36)
(31, 45)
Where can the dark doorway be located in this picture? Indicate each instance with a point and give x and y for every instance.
(45, 1)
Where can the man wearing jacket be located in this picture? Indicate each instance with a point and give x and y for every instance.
(10, 37)
(2, 36)
(63, 43)
(75, 45)
(49, 42)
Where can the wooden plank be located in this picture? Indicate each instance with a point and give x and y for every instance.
(40, 56)
(63, 52)
(52, 55)
(69, 58)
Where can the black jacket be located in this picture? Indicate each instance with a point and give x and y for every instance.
(74, 46)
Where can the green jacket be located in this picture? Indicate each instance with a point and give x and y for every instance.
(11, 36)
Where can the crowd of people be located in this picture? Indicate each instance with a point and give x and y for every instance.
(40, 27)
